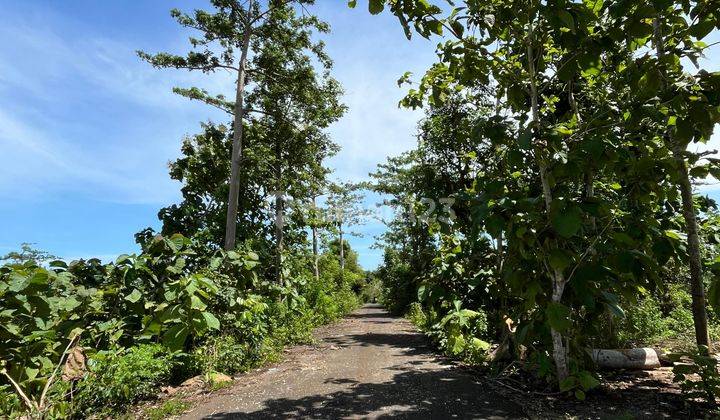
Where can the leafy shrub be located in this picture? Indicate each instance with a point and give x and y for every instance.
(294, 325)
(700, 378)
(416, 315)
(10, 404)
(177, 292)
(458, 333)
(643, 323)
(227, 355)
(167, 409)
(118, 379)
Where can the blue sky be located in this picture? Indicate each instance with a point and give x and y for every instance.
(86, 129)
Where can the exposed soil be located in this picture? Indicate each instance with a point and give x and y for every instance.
(369, 365)
(374, 365)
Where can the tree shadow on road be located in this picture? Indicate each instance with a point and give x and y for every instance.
(448, 393)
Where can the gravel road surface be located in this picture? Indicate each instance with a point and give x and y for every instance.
(369, 365)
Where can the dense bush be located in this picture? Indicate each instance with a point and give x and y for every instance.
(173, 311)
(117, 379)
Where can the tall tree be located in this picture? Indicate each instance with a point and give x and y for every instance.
(693, 113)
(226, 44)
(565, 73)
(345, 210)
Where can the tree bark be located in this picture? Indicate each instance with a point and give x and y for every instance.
(279, 215)
(237, 149)
(342, 251)
(697, 290)
(315, 241)
(560, 352)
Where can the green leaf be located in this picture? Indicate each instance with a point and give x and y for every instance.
(587, 380)
(559, 259)
(480, 344)
(525, 138)
(456, 344)
(714, 295)
(31, 373)
(376, 6)
(211, 321)
(567, 18)
(197, 303)
(568, 384)
(558, 316)
(594, 5)
(580, 395)
(175, 337)
(134, 296)
(701, 29)
(638, 29)
(684, 130)
(421, 293)
(352, 3)
(567, 223)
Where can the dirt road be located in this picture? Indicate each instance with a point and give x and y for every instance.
(369, 365)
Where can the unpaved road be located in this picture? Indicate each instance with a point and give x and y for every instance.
(369, 365)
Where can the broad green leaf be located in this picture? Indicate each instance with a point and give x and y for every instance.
(175, 337)
(558, 316)
(211, 321)
(568, 384)
(702, 28)
(594, 5)
(559, 259)
(567, 223)
(197, 303)
(134, 296)
(456, 344)
(376, 6)
(587, 380)
(525, 138)
(480, 344)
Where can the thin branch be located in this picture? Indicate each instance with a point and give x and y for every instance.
(72, 342)
(31, 405)
(587, 251)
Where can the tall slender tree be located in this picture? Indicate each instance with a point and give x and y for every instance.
(228, 39)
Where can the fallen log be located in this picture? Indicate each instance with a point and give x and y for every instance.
(641, 358)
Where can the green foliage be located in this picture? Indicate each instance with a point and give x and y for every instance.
(700, 377)
(27, 253)
(177, 295)
(118, 379)
(225, 354)
(563, 148)
(10, 404)
(167, 409)
(644, 324)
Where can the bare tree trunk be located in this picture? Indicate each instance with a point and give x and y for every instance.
(560, 352)
(279, 215)
(316, 257)
(697, 289)
(237, 150)
(342, 251)
(499, 252)
(693, 238)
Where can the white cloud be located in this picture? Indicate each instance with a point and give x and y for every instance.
(55, 138)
